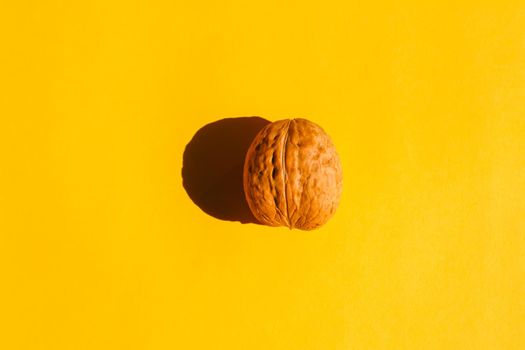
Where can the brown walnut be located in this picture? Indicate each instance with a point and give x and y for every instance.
(292, 175)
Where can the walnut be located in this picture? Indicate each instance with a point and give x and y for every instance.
(292, 175)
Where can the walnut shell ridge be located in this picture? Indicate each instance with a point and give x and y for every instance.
(292, 175)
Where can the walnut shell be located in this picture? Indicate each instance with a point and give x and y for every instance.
(292, 175)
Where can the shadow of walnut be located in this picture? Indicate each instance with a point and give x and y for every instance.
(212, 171)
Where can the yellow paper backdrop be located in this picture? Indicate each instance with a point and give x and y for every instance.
(101, 247)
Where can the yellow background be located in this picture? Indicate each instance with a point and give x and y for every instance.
(101, 247)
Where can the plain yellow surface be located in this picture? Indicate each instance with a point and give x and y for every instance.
(101, 247)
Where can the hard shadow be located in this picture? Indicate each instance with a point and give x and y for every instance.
(213, 164)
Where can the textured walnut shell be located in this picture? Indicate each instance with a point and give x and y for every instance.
(292, 175)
